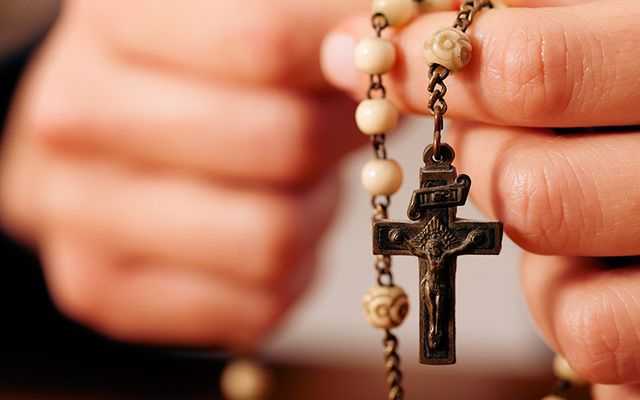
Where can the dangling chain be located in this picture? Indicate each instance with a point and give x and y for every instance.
(449, 50)
(438, 73)
(376, 116)
(380, 205)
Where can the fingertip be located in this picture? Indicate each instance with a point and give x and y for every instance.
(618, 392)
(586, 312)
(337, 53)
(337, 62)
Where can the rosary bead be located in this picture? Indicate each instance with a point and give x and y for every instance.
(382, 177)
(449, 47)
(376, 116)
(386, 307)
(563, 371)
(375, 55)
(397, 12)
(245, 379)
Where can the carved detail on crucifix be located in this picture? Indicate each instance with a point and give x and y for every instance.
(436, 244)
(437, 237)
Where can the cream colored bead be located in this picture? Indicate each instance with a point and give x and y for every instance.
(376, 116)
(375, 55)
(382, 177)
(436, 5)
(563, 371)
(385, 307)
(499, 4)
(245, 379)
(449, 47)
(397, 12)
(552, 397)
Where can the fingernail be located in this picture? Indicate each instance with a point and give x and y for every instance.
(337, 60)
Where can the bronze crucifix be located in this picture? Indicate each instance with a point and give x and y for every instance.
(437, 238)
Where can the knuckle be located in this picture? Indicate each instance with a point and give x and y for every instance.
(298, 162)
(50, 115)
(64, 199)
(18, 207)
(530, 71)
(77, 295)
(278, 238)
(599, 337)
(267, 38)
(268, 317)
(303, 159)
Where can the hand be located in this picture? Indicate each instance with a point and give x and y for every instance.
(173, 164)
(569, 200)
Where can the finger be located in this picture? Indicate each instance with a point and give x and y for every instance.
(565, 195)
(150, 303)
(624, 392)
(444, 5)
(588, 312)
(427, 6)
(546, 3)
(236, 132)
(236, 40)
(256, 236)
(531, 67)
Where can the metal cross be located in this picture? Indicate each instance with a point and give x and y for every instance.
(437, 238)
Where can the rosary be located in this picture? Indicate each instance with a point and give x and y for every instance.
(434, 234)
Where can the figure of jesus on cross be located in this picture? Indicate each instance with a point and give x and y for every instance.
(437, 246)
(437, 237)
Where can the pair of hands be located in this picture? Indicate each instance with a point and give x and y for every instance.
(173, 163)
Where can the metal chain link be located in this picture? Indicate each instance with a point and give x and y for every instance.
(376, 85)
(562, 389)
(382, 265)
(378, 142)
(438, 73)
(392, 365)
(468, 9)
(380, 204)
(383, 268)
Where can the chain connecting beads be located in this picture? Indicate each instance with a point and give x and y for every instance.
(386, 305)
(448, 50)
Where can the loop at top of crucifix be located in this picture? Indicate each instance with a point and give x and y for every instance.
(440, 185)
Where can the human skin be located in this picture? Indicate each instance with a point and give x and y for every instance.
(571, 201)
(173, 164)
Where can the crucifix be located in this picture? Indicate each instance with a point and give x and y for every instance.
(437, 238)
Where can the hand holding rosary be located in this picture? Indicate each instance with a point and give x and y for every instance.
(434, 234)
